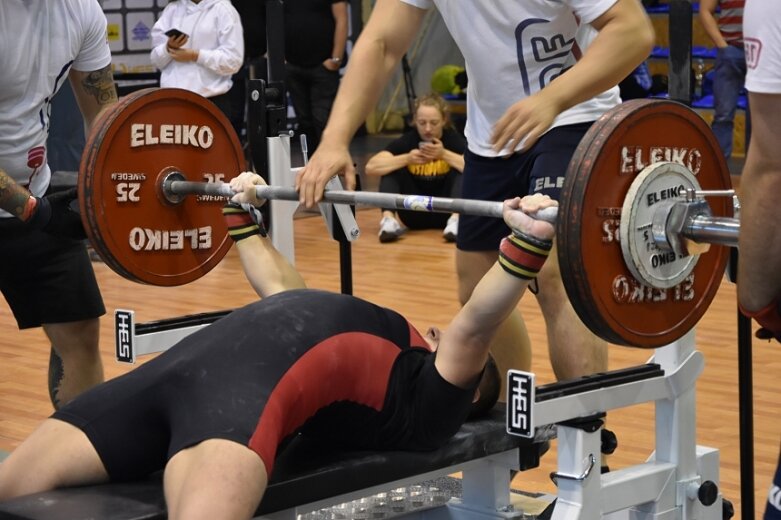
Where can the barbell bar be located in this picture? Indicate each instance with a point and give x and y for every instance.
(152, 139)
(700, 228)
(174, 188)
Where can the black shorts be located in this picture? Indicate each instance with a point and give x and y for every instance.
(46, 279)
(539, 170)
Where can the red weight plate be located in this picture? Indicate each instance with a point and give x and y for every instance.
(138, 233)
(609, 300)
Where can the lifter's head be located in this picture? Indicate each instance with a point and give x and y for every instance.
(490, 385)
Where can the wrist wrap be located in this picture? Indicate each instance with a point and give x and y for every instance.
(522, 255)
(243, 220)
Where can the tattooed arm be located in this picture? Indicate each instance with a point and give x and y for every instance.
(13, 197)
(94, 91)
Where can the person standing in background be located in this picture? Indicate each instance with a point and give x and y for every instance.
(315, 40)
(198, 45)
(45, 273)
(730, 68)
(759, 266)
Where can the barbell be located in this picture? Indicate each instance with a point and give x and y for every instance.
(632, 221)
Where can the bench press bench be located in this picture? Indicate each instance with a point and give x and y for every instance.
(308, 477)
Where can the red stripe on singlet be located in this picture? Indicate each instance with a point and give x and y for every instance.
(353, 366)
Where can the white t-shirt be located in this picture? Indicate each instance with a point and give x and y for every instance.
(214, 28)
(514, 48)
(762, 42)
(40, 41)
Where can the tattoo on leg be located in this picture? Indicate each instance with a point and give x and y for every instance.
(55, 377)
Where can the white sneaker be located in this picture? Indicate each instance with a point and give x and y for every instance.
(451, 229)
(390, 229)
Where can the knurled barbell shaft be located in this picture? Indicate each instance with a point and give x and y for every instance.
(422, 203)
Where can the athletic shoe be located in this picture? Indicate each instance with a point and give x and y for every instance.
(451, 229)
(390, 229)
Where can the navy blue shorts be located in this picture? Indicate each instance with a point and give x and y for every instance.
(46, 279)
(539, 170)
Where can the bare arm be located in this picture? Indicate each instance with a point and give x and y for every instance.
(709, 22)
(339, 11)
(13, 197)
(455, 160)
(386, 37)
(463, 349)
(385, 162)
(94, 92)
(625, 39)
(267, 270)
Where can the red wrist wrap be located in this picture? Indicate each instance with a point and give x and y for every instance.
(521, 258)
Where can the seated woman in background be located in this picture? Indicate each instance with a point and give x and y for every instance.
(427, 160)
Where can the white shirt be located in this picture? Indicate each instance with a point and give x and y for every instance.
(762, 42)
(512, 49)
(40, 41)
(213, 28)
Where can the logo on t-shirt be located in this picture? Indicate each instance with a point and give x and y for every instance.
(549, 53)
(752, 48)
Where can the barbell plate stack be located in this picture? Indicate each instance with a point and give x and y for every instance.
(144, 137)
(658, 184)
(603, 290)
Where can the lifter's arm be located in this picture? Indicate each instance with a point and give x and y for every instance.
(267, 270)
(463, 349)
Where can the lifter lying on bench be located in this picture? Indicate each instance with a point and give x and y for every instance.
(212, 410)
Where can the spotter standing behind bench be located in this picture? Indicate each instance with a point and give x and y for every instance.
(213, 409)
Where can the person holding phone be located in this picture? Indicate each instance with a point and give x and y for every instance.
(198, 45)
(427, 160)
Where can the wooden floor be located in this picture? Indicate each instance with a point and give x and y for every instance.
(416, 276)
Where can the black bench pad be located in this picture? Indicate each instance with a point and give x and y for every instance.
(305, 472)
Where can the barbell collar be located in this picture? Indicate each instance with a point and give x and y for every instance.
(696, 194)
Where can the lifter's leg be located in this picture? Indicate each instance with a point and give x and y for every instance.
(55, 455)
(216, 479)
(511, 346)
(75, 359)
(574, 350)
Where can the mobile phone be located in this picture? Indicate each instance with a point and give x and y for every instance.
(175, 33)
